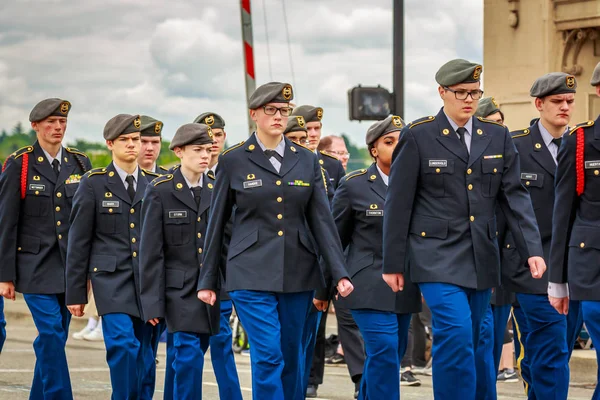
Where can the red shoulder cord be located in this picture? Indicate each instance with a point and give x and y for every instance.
(580, 172)
(24, 166)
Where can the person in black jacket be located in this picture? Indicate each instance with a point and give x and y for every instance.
(278, 192)
(382, 315)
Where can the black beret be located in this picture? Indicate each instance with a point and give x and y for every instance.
(214, 120)
(121, 124)
(193, 133)
(150, 126)
(310, 113)
(273, 92)
(553, 83)
(49, 107)
(486, 107)
(295, 124)
(392, 123)
(458, 71)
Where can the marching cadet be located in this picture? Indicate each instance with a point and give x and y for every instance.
(574, 250)
(382, 315)
(174, 219)
(104, 245)
(151, 137)
(449, 173)
(545, 362)
(281, 209)
(221, 351)
(36, 193)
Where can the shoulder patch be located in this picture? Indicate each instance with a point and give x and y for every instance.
(95, 171)
(161, 179)
(520, 133)
(354, 174)
(586, 124)
(328, 155)
(73, 150)
(210, 174)
(421, 121)
(21, 151)
(235, 146)
(489, 121)
(148, 172)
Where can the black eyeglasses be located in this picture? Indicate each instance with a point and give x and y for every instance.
(272, 110)
(463, 94)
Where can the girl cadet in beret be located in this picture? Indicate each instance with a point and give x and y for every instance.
(382, 316)
(174, 219)
(278, 192)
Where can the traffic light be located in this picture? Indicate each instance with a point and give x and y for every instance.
(369, 103)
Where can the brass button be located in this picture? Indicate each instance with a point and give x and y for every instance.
(132, 225)
(132, 211)
(469, 171)
(582, 245)
(95, 269)
(495, 170)
(278, 182)
(59, 194)
(527, 183)
(437, 170)
(423, 234)
(470, 187)
(596, 172)
(199, 235)
(472, 218)
(199, 219)
(279, 199)
(134, 254)
(279, 216)
(59, 237)
(110, 210)
(133, 240)
(57, 223)
(508, 246)
(57, 209)
(18, 249)
(36, 192)
(280, 233)
(199, 251)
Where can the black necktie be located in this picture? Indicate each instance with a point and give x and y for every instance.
(196, 190)
(557, 142)
(273, 153)
(55, 165)
(130, 188)
(461, 134)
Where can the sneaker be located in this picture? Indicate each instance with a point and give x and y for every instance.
(408, 379)
(336, 359)
(95, 335)
(507, 376)
(422, 371)
(311, 391)
(356, 389)
(79, 335)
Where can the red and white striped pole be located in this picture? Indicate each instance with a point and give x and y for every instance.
(248, 56)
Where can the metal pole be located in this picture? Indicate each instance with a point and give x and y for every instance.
(246, 18)
(398, 58)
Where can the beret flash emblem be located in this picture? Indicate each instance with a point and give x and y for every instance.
(137, 123)
(64, 107)
(300, 120)
(397, 121)
(210, 120)
(287, 92)
(158, 127)
(477, 72)
(319, 113)
(570, 81)
(210, 132)
(494, 102)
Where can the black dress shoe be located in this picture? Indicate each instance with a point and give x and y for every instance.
(311, 391)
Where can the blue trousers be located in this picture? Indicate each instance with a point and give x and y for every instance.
(457, 313)
(188, 364)
(126, 355)
(169, 371)
(544, 341)
(274, 323)
(223, 361)
(386, 336)
(591, 318)
(489, 349)
(51, 317)
(309, 339)
(2, 324)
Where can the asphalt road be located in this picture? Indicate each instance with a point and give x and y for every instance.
(90, 376)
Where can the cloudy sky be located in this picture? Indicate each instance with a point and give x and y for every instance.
(174, 60)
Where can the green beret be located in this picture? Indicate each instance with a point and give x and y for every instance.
(595, 81)
(553, 83)
(273, 92)
(49, 107)
(295, 124)
(310, 113)
(487, 106)
(214, 120)
(458, 71)
(193, 133)
(150, 126)
(121, 124)
(392, 123)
